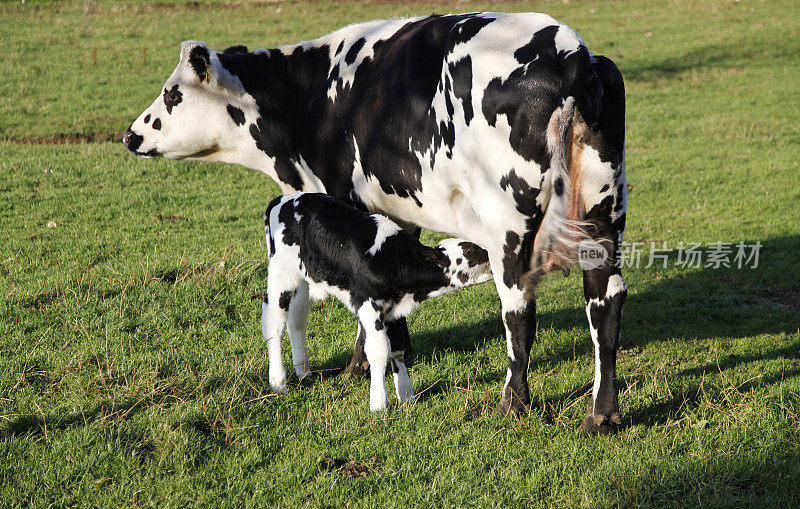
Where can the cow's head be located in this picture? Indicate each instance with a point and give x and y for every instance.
(191, 118)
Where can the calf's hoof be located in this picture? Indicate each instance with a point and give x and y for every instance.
(279, 388)
(601, 424)
(357, 369)
(511, 404)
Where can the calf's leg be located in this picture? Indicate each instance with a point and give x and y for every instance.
(297, 326)
(376, 348)
(359, 365)
(400, 357)
(274, 311)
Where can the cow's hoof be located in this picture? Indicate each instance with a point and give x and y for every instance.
(601, 424)
(511, 404)
(357, 369)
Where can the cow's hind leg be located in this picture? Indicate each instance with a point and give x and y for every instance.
(605, 292)
(600, 166)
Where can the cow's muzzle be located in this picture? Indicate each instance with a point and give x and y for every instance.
(132, 140)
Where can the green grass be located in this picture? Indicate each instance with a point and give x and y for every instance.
(132, 369)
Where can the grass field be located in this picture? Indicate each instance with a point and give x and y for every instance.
(132, 369)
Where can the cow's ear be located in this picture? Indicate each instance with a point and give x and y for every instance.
(197, 55)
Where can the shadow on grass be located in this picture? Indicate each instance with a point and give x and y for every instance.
(767, 480)
(712, 56)
(105, 410)
(707, 303)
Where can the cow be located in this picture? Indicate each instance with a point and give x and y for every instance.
(320, 246)
(502, 129)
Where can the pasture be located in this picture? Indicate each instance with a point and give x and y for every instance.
(132, 367)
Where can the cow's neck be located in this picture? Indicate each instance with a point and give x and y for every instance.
(281, 81)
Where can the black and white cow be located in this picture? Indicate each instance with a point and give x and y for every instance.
(502, 129)
(320, 246)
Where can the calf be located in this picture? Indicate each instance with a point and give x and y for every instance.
(320, 246)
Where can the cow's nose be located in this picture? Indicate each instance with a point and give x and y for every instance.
(132, 140)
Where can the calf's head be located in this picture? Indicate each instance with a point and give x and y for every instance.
(197, 112)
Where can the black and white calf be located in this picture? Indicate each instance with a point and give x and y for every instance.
(320, 246)
(502, 129)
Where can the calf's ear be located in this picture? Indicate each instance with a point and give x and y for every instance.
(428, 254)
(197, 55)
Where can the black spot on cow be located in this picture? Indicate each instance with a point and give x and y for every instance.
(522, 327)
(510, 258)
(461, 72)
(378, 324)
(517, 253)
(236, 114)
(524, 194)
(528, 119)
(468, 28)
(604, 188)
(449, 102)
(604, 111)
(352, 53)
(172, 98)
(459, 260)
(281, 91)
(339, 48)
(542, 43)
(285, 300)
(147, 119)
(290, 230)
(157, 124)
(264, 137)
(558, 186)
(556, 75)
(235, 49)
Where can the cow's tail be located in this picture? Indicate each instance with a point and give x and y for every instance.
(562, 229)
